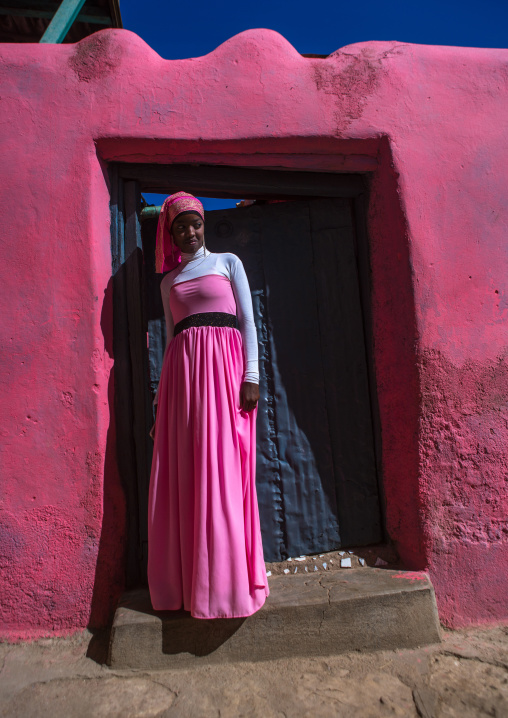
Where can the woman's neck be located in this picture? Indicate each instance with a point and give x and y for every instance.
(192, 256)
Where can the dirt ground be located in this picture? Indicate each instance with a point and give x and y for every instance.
(466, 676)
(381, 555)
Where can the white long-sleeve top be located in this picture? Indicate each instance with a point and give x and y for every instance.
(228, 265)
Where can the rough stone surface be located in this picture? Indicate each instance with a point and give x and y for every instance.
(466, 676)
(113, 697)
(304, 615)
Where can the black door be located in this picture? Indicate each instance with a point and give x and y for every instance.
(316, 469)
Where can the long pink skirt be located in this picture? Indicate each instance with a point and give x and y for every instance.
(204, 539)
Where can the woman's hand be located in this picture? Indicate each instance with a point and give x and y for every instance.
(249, 396)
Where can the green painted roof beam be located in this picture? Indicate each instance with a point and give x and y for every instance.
(150, 213)
(62, 21)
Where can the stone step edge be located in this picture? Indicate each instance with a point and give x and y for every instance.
(387, 619)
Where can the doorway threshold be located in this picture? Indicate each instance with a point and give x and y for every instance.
(322, 614)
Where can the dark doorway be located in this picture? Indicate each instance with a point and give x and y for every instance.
(317, 476)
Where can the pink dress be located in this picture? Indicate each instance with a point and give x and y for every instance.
(204, 539)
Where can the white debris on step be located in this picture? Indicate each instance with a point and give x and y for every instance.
(315, 568)
(380, 562)
(321, 555)
(289, 559)
(350, 551)
(345, 563)
(341, 553)
(325, 565)
(286, 570)
(362, 561)
(300, 558)
(331, 561)
(268, 573)
(313, 558)
(306, 569)
(296, 569)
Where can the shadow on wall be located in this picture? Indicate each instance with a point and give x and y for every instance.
(394, 331)
(110, 567)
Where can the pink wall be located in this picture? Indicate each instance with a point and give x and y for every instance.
(429, 122)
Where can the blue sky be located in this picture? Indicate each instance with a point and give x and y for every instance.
(189, 29)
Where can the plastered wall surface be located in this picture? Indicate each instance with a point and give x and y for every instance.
(428, 123)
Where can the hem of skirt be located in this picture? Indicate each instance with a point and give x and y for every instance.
(235, 615)
(226, 618)
(229, 615)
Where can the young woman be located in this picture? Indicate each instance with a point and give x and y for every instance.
(204, 540)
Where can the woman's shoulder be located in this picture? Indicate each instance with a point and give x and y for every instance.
(228, 258)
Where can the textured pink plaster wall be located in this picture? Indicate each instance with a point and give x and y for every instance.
(430, 123)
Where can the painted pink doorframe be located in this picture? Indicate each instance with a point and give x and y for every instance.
(428, 124)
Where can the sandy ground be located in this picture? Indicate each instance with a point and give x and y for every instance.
(465, 676)
(382, 556)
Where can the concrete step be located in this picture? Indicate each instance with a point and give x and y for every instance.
(336, 612)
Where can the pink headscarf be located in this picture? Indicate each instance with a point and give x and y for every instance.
(167, 255)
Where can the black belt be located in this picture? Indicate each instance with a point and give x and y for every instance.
(206, 319)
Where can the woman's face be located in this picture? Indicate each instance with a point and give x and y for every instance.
(188, 232)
